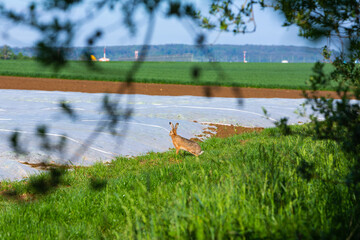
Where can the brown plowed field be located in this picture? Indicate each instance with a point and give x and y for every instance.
(46, 84)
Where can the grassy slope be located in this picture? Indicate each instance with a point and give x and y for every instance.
(270, 75)
(243, 186)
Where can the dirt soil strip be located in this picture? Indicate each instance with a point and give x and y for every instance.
(49, 84)
(224, 131)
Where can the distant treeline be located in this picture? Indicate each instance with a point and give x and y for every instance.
(7, 53)
(187, 53)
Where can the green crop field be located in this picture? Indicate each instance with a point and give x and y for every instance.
(250, 186)
(268, 75)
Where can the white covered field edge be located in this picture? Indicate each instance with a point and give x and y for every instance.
(146, 130)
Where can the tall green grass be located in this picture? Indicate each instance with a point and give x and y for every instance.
(269, 75)
(250, 186)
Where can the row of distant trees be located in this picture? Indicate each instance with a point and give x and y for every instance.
(6, 53)
(180, 52)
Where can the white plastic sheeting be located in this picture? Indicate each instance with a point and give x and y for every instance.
(147, 130)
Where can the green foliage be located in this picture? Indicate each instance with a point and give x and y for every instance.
(346, 72)
(317, 19)
(270, 75)
(342, 117)
(283, 126)
(178, 9)
(339, 20)
(6, 53)
(247, 186)
(45, 183)
(231, 16)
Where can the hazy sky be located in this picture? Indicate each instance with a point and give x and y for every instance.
(167, 31)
